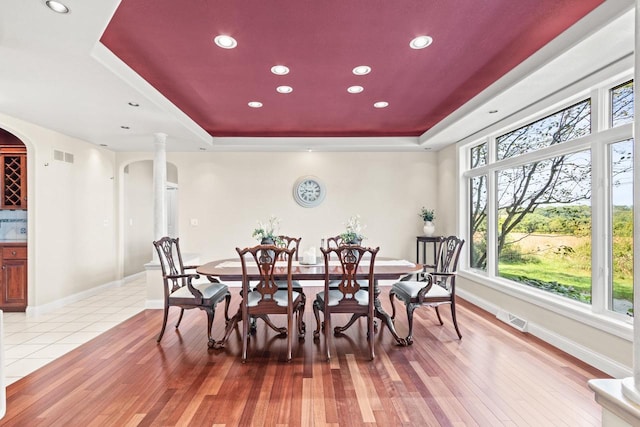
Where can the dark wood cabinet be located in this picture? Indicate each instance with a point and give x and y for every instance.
(13, 280)
(13, 178)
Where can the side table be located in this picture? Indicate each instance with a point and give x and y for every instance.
(423, 241)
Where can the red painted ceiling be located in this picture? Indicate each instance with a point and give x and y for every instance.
(170, 44)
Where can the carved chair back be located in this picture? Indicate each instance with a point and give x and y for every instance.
(350, 258)
(170, 257)
(290, 243)
(265, 257)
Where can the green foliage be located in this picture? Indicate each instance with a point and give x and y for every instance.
(554, 287)
(427, 214)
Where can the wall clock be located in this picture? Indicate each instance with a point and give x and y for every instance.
(308, 191)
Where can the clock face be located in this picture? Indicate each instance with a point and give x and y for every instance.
(308, 191)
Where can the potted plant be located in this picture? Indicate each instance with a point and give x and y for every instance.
(353, 231)
(266, 233)
(428, 215)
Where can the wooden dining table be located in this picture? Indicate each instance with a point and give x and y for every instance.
(230, 270)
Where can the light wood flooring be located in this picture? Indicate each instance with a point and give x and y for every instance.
(494, 376)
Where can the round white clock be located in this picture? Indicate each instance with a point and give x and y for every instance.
(308, 191)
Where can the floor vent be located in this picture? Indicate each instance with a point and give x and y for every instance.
(510, 319)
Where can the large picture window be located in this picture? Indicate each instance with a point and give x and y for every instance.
(535, 195)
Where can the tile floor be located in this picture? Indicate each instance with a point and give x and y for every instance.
(32, 342)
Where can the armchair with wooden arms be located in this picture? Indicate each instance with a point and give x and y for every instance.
(437, 288)
(180, 291)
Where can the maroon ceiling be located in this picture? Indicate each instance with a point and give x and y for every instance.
(170, 44)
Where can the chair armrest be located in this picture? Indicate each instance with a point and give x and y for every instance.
(422, 292)
(190, 267)
(442, 274)
(196, 293)
(420, 276)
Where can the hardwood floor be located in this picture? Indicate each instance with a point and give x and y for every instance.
(494, 376)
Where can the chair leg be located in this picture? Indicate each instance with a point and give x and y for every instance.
(438, 313)
(316, 313)
(245, 337)
(164, 322)
(289, 335)
(392, 298)
(327, 335)
(302, 327)
(453, 316)
(210, 314)
(410, 309)
(227, 301)
(180, 318)
(371, 339)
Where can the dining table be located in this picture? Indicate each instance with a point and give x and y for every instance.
(230, 270)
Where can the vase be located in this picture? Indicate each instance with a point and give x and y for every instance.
(429, 228)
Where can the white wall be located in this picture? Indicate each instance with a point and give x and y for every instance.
(227, 193)
(138, 216)
(71, 237)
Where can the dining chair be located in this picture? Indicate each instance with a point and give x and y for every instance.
(180, 291)
(266, 298)
(349, 296)
(435, 287)
(294, 243)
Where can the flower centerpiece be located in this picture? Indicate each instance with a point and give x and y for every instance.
(353, 233)
(428, 215)
(267, 233)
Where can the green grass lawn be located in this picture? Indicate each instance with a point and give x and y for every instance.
(564, 274)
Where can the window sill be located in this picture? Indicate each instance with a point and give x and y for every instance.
(563, 306)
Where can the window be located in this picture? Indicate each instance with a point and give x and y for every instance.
(534, 197)
(478, 225)
(544, 225)
(565, 125)
(622, 104)
(621, 295)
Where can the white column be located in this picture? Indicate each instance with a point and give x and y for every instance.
(160, 186)
(631, 385)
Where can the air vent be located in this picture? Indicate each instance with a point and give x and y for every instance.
(510, 319)
(61, 156)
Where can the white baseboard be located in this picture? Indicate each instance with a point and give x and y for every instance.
(54, 305)
(599, 361)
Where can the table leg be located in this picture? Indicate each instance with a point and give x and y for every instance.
(380, 314)
(231, 324)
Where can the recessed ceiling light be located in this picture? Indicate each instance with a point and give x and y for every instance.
(493, 111)
(420, 42)
(56, 6)
(309, 150)
(280, 70)
(284, 89)
(381, 104)
(355, 89)
(255, 104)
(134, 104)
(361, 70)
(125, 127)
(225, 42)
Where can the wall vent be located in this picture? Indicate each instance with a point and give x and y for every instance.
(61, 156)
(510, 319)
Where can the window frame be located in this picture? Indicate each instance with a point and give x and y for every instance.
(602, 135)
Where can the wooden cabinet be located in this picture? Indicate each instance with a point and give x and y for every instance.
(13, 279)
(13, 177)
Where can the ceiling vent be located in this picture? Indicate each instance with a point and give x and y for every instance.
(510, 319)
